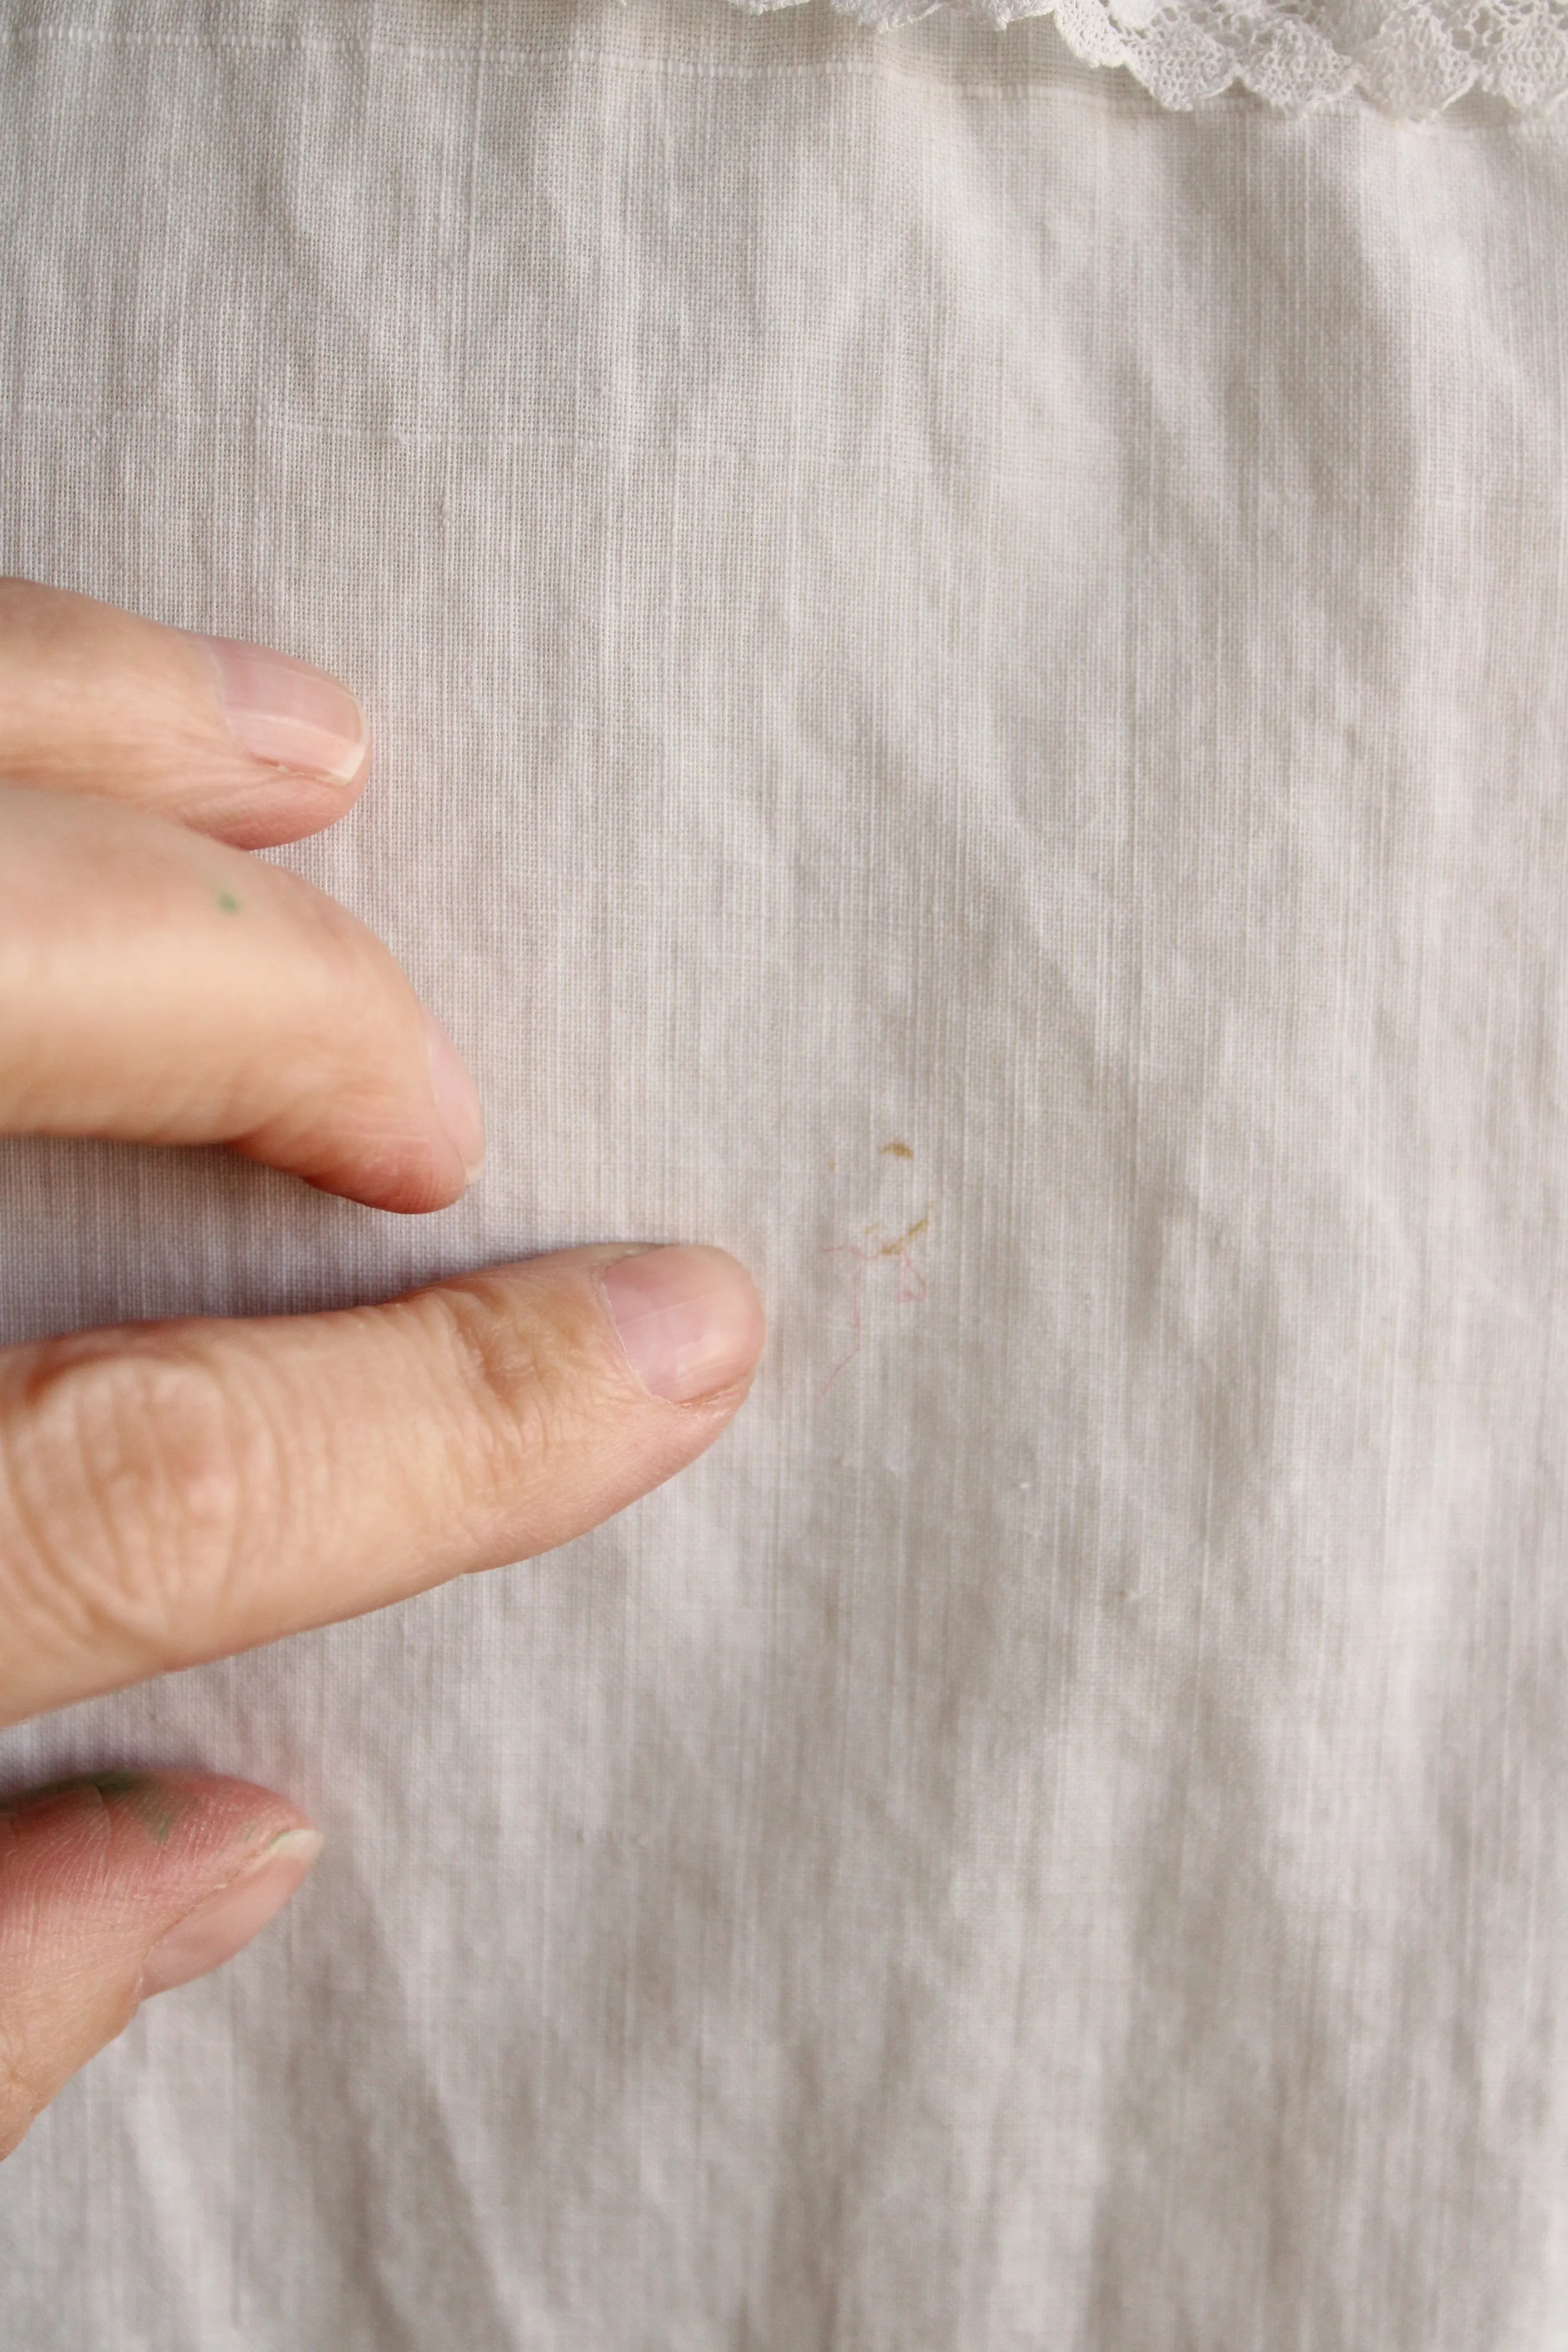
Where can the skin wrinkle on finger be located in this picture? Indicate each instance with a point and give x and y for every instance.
(527, 1405)
(184, 1491)
(126, 1478)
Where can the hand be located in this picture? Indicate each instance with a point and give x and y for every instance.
(175, 1492)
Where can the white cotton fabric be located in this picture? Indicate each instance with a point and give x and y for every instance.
(971, 695)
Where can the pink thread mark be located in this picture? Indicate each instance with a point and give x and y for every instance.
(913, 1289)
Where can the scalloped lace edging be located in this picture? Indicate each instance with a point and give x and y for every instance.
(1409, 57)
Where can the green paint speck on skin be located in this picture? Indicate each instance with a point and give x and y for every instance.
(155, 1807)
(229, 904)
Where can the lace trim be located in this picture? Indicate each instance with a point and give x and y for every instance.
(1410, 58)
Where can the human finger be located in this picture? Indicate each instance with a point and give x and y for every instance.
(114, 1886)
(178, 1491)
(229, 738)
(159, 987)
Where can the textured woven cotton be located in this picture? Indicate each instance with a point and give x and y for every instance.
(971, 689)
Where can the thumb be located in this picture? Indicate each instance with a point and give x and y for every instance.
(116, 1885)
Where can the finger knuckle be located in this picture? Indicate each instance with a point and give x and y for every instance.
(527, 1380)
(128, 1474)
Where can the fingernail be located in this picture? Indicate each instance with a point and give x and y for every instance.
(287, 713)
(226, 1921)
(689, 1319)
(456, 1098)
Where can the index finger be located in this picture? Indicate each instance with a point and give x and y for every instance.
(183, 1490)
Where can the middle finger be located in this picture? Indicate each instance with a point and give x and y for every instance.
(158, 987)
